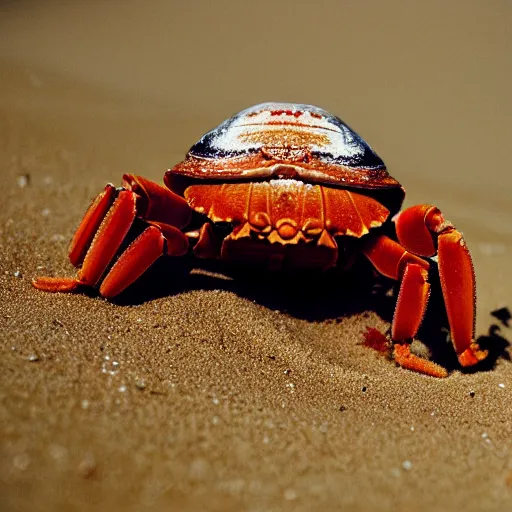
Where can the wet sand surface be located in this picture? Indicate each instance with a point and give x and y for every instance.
(234, 393)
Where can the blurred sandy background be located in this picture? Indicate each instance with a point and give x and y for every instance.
(91, 89)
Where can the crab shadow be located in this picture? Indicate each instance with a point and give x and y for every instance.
(316, 297)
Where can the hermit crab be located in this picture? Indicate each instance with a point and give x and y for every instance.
(284, 187)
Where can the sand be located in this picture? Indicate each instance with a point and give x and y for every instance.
(229, 392)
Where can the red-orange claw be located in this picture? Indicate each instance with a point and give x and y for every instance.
(56, 284)
(404, 358)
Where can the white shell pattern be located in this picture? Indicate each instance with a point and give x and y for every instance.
(239, 134)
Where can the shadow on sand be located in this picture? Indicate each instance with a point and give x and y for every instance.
(332, 295)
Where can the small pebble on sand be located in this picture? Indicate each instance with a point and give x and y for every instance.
(23, 180)
(407, 465)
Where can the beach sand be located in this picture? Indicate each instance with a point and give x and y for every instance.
(232, 392)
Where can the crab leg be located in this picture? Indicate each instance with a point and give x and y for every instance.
(158, 203)
(105, 226)
(107, 240)
(412, 302)
(393, 261)
(84, 235)
(418, 229)
(110, 235)
(132, 263)
(154, 241)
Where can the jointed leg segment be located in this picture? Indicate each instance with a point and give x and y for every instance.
(105, 226)
(393, 261)
(420, 229)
